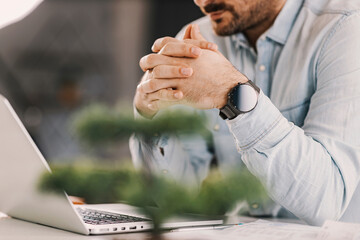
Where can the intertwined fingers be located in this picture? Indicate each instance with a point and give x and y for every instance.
(180, 49)
(153, 85)
(160, 43)
(152, 60)
(168, 71)
(165, 95)
(160, 104)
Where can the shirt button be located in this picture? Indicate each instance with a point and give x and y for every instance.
(262, 68)
(216, 127)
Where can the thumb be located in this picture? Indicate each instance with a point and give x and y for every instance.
(195, 33)
(187, 34)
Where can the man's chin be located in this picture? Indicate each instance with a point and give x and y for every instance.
(221, 26)
(221, 30)
(225, 28)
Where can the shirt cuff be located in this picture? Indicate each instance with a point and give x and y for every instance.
(250, 128)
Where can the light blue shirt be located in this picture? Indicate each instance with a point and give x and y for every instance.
(303, 138)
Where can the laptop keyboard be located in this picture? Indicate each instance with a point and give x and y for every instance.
(96, 217)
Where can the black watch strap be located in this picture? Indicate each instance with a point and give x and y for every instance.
(230, 110)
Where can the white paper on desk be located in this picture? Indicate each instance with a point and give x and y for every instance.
(274, 230)
(254, 231)
(332, 230)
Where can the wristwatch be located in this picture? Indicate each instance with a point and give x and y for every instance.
(247, 93)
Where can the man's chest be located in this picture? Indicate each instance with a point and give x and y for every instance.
(288, 81)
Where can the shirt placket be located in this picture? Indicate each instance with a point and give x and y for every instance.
(263, 65)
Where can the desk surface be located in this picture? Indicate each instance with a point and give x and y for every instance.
(13, 229)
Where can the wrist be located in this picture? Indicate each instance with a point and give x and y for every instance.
(233, 82)
(241, 99)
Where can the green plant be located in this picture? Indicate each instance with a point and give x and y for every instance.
(100, 125)
(217, 194)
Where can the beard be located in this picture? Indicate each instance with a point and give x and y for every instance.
(232, 27)
(235, 22)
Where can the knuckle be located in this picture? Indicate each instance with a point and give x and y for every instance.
(203, 44)
(145, 97)
(157, 42)
(170, 95)
(149, 59)
(142, 89)
(176, 71)
(185, 48)
(169, 47)
(156, 72)
(139, 88)
(162, 94)
(165, 40)
(152, 85)
(141, 62)
(190, 49)
(149, 74)
(165, 48)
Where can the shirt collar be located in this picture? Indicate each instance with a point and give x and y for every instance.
(240, 40)
(280, 30)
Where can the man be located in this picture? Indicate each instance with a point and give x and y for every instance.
(300, 136)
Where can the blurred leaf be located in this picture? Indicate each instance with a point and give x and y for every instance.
(100, 124)
(98, 185)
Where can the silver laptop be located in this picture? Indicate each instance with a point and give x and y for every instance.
(21, 165)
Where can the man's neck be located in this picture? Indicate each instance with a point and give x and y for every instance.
(252, 34)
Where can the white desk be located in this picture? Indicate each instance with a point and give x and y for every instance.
(13, 229)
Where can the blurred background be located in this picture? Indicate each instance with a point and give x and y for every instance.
(68, 54)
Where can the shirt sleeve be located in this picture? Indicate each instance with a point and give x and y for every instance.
(312, 171)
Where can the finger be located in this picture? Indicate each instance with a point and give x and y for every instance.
(167, 71)
(159, 104)
(195, 33)
(152, 60)
(202, 44)
(165, 95)
(153, 85)
(161, 42)
(180, 49)
(187, 32)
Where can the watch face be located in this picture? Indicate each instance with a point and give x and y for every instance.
(247, 97)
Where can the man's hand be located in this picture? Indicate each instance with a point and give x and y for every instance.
(143, 100)
(164, 97)
(192, 38)
(210, 76)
